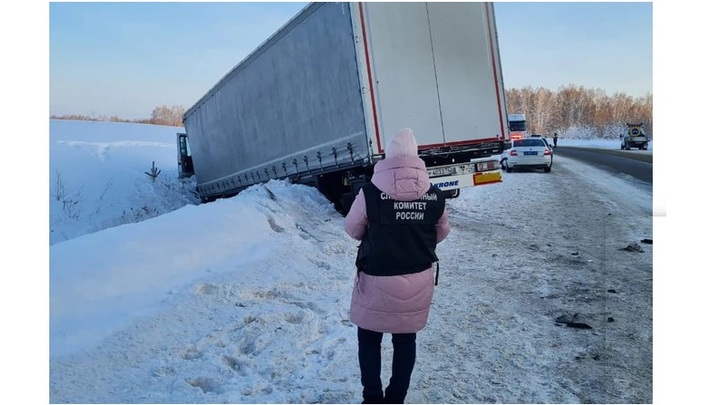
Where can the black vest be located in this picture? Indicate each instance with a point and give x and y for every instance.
(401, 235)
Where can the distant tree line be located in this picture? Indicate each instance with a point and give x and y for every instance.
(571, 111)
(163, 115)
(579, 112)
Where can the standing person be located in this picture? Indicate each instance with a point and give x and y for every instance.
(400, 219)
(555, 140)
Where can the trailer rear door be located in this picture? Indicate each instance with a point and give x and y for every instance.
(435, 69)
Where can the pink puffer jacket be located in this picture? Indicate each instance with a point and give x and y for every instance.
(393, 304)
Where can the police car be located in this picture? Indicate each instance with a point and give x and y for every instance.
(529, 153)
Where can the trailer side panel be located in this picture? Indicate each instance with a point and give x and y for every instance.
(296, 95)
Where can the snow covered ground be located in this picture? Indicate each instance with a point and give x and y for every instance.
(99, 176)
(245, 300)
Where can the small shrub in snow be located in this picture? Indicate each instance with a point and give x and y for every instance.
(70, 200)
(154, 171)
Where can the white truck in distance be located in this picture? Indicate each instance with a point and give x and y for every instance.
(517, 125)
(318, 100)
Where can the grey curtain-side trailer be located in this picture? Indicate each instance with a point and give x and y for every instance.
(316, 102)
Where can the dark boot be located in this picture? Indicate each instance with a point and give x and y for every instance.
(394, 397)
(394, 400)
(373, 399)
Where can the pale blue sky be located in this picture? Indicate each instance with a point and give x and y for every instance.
(127, 58)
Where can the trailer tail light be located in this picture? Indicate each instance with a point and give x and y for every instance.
(488, 172)
(487, 166)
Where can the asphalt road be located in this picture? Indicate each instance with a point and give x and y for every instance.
(635, 163)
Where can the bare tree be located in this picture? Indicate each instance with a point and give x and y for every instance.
(545, 110)
(165, 115)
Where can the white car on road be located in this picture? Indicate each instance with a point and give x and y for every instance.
(528, 153)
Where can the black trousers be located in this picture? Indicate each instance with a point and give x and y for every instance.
(403, 361)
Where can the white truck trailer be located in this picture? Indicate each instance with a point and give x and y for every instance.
(318, 100)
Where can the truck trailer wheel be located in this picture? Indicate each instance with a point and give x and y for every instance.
(451, 193)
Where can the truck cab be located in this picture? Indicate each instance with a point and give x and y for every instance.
(517, 124)
(185, 162)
